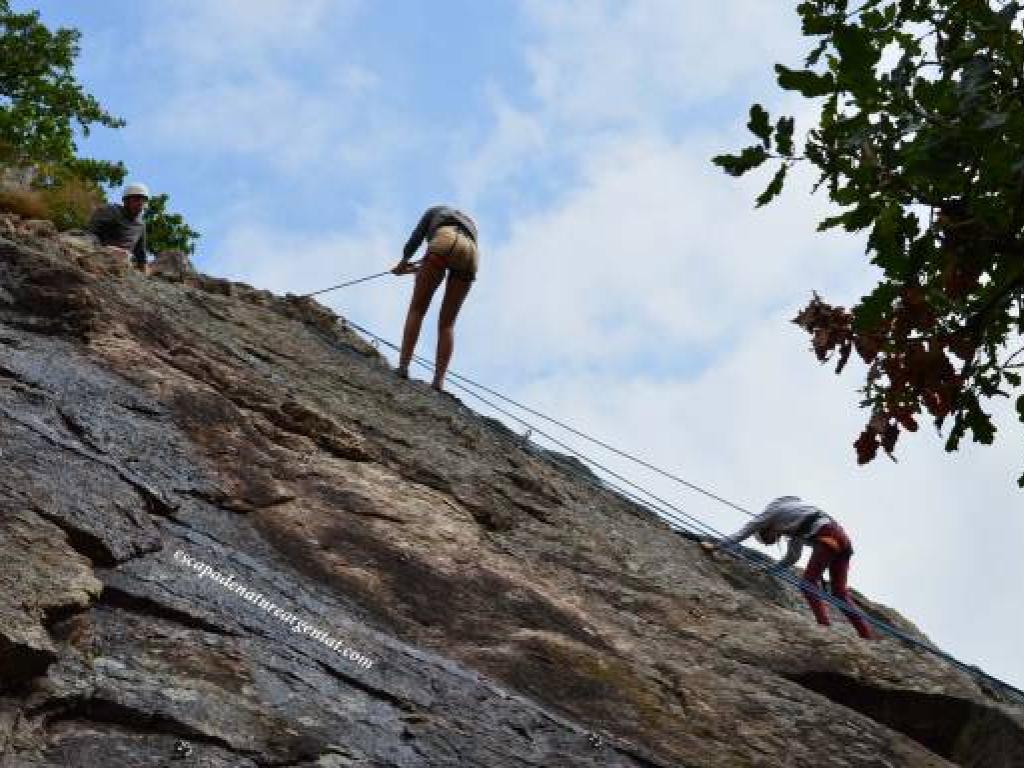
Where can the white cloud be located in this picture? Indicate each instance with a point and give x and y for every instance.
(230, 36)
(656, 251)
(266, 79)
(604, 73)
(600, 61)
(516, 134)
(269, 117)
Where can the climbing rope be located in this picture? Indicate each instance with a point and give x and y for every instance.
(682, 520)
(352, 282)
(624, 454)
(345, 285)
(525, 408)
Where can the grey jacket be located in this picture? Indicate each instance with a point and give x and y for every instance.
(433, 219)
(786, 515)
(112, 226)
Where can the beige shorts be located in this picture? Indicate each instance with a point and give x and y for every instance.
(452, 249)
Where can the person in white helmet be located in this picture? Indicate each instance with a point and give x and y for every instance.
(122, 226)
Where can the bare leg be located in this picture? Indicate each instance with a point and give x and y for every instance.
(428, 277)
(455, 292)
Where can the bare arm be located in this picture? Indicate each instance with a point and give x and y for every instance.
(759, 523)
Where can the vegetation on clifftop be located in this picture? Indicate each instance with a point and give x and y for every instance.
(42, 108)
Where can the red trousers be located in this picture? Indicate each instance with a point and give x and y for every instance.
(832, 552)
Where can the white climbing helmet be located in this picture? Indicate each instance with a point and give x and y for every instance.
(135, 189)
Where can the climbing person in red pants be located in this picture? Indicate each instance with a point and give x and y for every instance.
(451, 236)
(803, 524)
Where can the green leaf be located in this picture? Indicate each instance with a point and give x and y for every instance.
(774, 187)
(784, 135)
(830, 222)
(855, 46)
(982, 427)
(737, 165)
(806, 81)
(860, 217)
(759, 125)
(953, 442)
(873, 307)
(814, 22)
(848, 195)
(873, 20)
(858, 55)
(885, 240)
(167, 231)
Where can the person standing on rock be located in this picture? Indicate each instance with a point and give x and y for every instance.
(803, 524)
(451, 241)
(122, 226)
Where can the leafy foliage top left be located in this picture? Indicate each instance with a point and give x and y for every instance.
(41, 100)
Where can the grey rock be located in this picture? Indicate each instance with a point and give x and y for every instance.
(172, 265)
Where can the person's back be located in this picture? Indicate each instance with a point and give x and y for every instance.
(786, 516)
(432, 220)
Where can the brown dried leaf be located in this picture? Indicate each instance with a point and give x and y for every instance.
(889, 436)
(866, 446)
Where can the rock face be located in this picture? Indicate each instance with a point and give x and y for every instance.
(172, 265)
(230, 536)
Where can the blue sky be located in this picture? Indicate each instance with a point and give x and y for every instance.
(626, 284)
